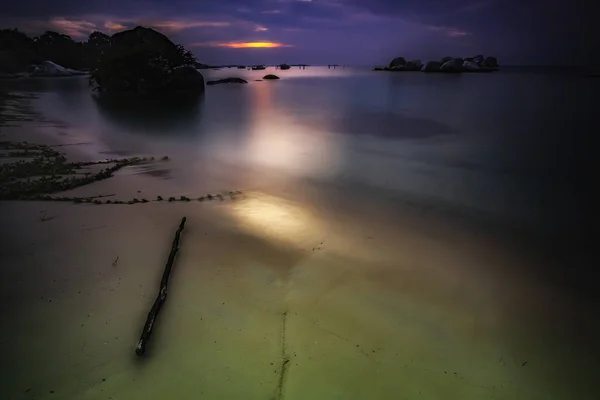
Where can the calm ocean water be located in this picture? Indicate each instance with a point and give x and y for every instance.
(512, 145)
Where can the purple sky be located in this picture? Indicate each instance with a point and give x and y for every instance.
(353, 32)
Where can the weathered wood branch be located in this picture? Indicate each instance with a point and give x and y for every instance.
(140, 350)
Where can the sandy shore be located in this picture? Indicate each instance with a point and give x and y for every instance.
(364, 302)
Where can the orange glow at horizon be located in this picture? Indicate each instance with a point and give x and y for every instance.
(114, 26)
(248, 45)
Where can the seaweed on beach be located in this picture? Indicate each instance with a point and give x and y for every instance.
(40, 172)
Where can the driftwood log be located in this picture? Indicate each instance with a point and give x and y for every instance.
(140, 350)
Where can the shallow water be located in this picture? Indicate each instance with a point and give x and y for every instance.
(498, 143)
(385, 212)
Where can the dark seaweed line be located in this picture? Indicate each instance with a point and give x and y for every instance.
(53, 169)
(94, 199)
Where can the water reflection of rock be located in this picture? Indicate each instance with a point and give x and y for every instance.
(157, 116)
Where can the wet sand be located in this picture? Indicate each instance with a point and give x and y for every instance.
(365, 302)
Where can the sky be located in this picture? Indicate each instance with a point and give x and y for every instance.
(349, 32)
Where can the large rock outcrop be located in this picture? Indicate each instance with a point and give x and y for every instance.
(140, 37)
(453, 65)
(414, 65)
(186, 78)
(144, 61)
(470, 66)
(490, 62)
(448, 64)
(432, 66)
(398, 62)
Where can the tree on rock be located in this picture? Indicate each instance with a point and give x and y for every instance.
(97, 45)
(185, 57)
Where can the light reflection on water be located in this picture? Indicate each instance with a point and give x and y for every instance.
(275, 140)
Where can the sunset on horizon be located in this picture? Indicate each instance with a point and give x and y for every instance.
(352, 32)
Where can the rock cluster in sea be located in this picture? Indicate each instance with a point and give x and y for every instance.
(478, 63)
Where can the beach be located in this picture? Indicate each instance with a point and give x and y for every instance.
(283, 291)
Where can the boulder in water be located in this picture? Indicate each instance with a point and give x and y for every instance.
(284, 66)
(490, 62)
(470, 66)
(397, 63)
(271, 77)
(453, 65)
(186, 78)
(432, 66)
(227, 80)
(414, 65)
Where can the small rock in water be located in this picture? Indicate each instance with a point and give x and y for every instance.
(227, 80)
